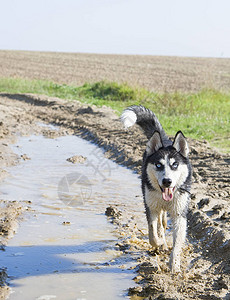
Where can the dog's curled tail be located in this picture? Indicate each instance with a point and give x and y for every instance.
(145, 118)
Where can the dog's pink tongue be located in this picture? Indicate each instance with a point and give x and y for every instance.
(167, 194)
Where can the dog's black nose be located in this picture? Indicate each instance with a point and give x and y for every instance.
(166, 182)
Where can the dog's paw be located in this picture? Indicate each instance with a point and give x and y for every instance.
(165, 246)
(156, 243)
(175, 268)
(174, 264)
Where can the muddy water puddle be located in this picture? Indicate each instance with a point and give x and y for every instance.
(65, 246)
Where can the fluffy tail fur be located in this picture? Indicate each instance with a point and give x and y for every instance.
(146, 119)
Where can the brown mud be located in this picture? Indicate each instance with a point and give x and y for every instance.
(206, 255)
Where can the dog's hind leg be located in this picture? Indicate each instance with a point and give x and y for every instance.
(179, 234)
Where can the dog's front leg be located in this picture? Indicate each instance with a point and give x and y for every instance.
(162, 225)
(154, 239)
(179, 234)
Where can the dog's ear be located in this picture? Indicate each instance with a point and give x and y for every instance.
(154, 143)
(180, 144)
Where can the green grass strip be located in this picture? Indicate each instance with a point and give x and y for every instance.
(202, 115)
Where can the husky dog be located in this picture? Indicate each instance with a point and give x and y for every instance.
(166, 180)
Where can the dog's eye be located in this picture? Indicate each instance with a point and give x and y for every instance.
(159, 165)
(175, 165)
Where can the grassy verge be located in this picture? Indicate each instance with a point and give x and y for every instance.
(204, 115)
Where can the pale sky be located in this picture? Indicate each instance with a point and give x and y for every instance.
(155, 27)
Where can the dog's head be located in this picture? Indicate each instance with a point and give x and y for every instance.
(167, 167)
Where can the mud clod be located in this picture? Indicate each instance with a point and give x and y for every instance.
(113, 212)
(203, 202)
(25, 157)
(3, 276)
(77, 159)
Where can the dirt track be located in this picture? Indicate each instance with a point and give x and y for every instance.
(206, 257)
(156, 73)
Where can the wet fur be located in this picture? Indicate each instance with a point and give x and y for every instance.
(161, 151)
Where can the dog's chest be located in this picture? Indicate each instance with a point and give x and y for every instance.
(155, 202)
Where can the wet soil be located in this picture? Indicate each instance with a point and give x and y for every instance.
(206, 256)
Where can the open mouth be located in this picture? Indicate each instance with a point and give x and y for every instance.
(167, 193)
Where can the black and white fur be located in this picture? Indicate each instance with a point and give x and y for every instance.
(166, 180)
